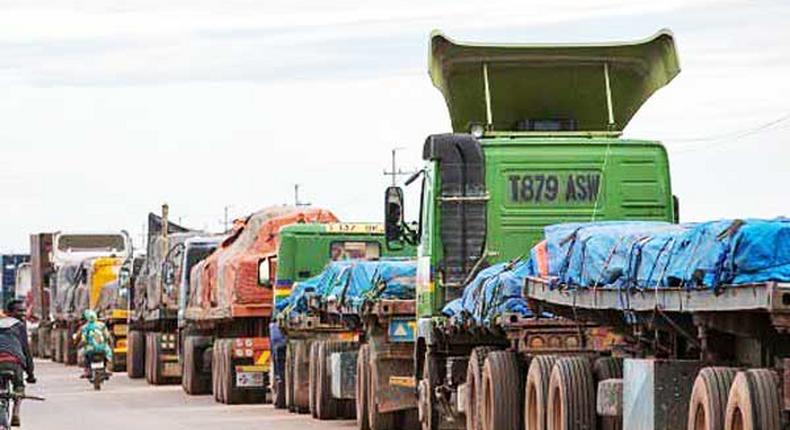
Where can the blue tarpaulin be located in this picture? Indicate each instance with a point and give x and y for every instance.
(354, 283)
(494, 291)
(633, 255)
(656, 255)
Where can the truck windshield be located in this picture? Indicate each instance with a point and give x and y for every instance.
(91, 242)
(355, 251)
(194, 256)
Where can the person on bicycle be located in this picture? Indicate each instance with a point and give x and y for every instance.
(94, 338)
(15, 351)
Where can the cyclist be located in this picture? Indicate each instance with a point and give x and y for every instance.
(94, 338)
(15, 351)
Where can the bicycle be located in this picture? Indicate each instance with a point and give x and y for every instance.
(8, 397)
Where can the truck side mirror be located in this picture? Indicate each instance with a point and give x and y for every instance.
(393, 217)
(264, 274)
(168, 273)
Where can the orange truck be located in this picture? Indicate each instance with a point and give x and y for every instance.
(224, 335)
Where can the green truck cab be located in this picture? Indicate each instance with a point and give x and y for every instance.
(536, 141)
(303, 252)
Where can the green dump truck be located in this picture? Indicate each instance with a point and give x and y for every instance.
(536, 140)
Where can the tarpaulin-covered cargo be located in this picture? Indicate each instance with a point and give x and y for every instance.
(494, 291)
(151, 293)
(352, 284)
(644, 255)
(229, 276)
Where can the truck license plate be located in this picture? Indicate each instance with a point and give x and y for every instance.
(249, 379)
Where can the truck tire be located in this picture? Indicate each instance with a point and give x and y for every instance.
(313, 378)
(709, 398)
(135, 354)
(301, 377)
(474, 385)
(376, 420)
(426, 399)
(361, 388)
(754, 401)
(609, 368)
(536, 391)
(44, 342)
(571, 403)
(56, 344)
(502, 391)
(325, 405)
(194, 380)
(153, 352)
(69, 349)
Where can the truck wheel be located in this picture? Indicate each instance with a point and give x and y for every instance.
(301, 373)
(474, 386)
(609, 368)
(571, 395)
(325, 404)
(153, 358)
(218, 372)
(536, 392)
(67, 347)
(502, 391)
(361, 388)
(194, 380)
(709, 398)
(313, 380)
(44, 342)
(753, 401)
(376, 420)
(135, 354)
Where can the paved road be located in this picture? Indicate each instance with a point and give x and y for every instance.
(125, 404)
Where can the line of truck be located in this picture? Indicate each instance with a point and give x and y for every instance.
(465, 318)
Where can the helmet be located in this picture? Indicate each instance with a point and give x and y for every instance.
(15, 307)
(89, 315)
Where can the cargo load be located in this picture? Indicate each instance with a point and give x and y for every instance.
(647, 255)
(350, 285)
(228, 278)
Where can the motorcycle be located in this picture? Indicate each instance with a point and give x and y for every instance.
(98, 370)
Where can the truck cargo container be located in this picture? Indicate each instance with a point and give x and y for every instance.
(536, 141)
(89, 271)
(10, 264)
(154, 310)
(303, 252)
(226, 321)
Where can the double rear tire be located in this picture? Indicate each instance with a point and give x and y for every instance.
(754, 401)
(571, 400)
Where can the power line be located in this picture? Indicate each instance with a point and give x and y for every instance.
(727, 138)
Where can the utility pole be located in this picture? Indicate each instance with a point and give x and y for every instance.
(297, 202)
(225, 223)
(395, 172)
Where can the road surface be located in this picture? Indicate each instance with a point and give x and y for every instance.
(125, 404)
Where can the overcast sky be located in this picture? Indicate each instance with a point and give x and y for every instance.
(106, 112)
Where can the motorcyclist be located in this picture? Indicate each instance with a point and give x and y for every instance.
(15, 351)
(94, 338)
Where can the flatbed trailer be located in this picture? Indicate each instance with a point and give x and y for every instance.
(726, 351)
